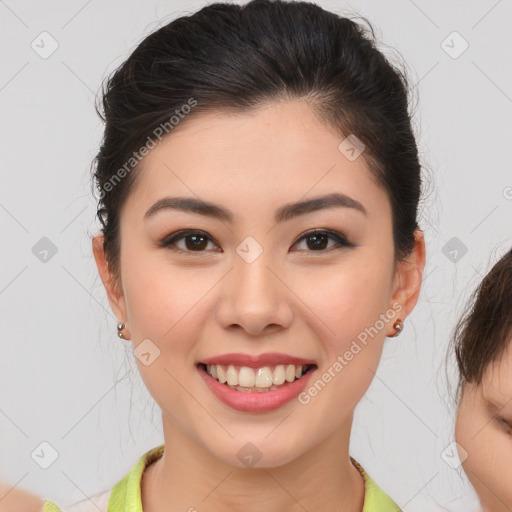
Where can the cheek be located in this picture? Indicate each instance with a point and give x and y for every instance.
(161, 299)
(348, 309)
(348, 299)
(488, 465)
(489, 468)
(167, 307)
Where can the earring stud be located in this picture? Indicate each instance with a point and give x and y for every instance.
(120, 327)
(398, 325)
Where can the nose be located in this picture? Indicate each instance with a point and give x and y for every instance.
(253, 297)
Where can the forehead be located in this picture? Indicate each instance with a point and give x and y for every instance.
(280, 149)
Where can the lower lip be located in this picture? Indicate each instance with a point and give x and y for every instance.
(256, 401)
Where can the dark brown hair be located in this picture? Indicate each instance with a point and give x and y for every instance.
(485, 329)
(238, 57)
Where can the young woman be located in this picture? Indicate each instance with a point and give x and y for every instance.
(483, 346)
(259, 184)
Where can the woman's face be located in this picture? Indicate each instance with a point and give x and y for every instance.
(255, 281)
(484, 431)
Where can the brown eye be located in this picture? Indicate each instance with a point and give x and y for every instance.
(194, 241)
(198, 242)
(318, 240)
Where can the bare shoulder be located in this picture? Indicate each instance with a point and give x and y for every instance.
(96, 503)
(13, 499)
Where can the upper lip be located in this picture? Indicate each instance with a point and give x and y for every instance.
(257, 361)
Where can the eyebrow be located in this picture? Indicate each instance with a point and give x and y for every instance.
(284, 213)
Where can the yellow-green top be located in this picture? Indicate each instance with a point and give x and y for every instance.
(126, 496)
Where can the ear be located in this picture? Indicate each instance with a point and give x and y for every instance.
(112, 287)
(408, 275)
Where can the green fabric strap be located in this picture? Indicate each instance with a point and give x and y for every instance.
(49, 506)
(125, 496)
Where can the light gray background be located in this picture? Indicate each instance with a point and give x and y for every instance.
(65, 377)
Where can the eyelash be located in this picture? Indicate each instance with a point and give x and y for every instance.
(171, 240)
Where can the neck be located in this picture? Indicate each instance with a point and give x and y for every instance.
(188, 477)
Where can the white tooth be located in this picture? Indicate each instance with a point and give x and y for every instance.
(290, 373)
(213, 371)
(232, 376)
(264, 377)
(221, 374)
(246, 377)
(298, 371)
(279, 375)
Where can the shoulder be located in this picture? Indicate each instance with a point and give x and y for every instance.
(96, 503)
(14, 498)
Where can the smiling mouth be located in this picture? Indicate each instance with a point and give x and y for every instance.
(263, 379)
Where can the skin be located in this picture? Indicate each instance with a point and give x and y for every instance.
(14, 500)
(484, 430)
(292, 299)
